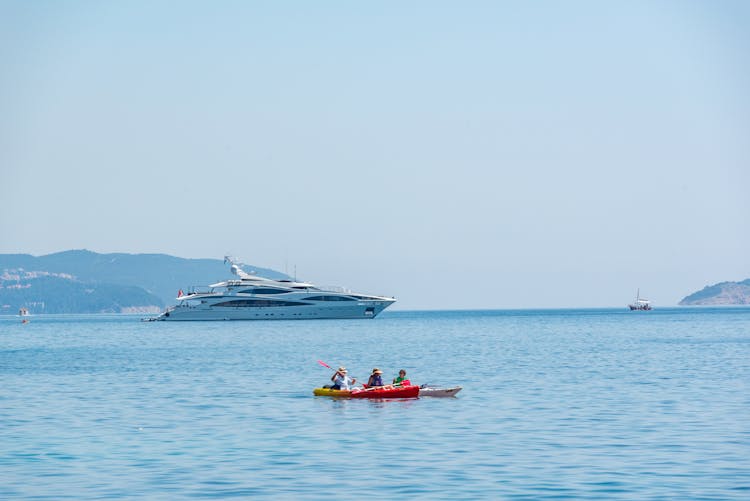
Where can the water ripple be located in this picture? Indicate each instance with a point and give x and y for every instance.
(575, 404)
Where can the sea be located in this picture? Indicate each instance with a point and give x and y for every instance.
(556, 404)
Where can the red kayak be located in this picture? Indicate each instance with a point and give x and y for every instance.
(387, 392)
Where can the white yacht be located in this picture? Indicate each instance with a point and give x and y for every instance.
(251, 297)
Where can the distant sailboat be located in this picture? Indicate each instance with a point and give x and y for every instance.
(640, 303)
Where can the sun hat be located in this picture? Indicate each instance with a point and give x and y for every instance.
(342, 369)
(377, 371)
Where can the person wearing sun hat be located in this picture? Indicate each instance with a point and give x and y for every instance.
(375, 378)
(341, 381)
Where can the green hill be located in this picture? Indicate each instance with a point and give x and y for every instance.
(41, 293)
(729, 293)
(81, 281)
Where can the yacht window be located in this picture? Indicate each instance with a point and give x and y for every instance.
(257, 303)
(330, 298)
(264, 290)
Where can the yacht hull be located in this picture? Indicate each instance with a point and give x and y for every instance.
(307, 312)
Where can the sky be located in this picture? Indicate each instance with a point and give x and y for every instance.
(455, 155)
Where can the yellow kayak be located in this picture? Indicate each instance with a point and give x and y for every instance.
(327, 392)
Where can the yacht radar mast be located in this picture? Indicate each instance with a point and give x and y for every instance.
(236, 267)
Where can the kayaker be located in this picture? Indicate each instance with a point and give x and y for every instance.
(401, 377)
(341, 381)
(375, 378)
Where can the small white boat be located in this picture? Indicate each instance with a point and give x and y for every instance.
(640, 304)
(431, 391)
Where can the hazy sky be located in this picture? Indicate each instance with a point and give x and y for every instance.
(452, 154)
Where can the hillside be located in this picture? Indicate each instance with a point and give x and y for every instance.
(42, 292)
(81, 281)
(724, 293)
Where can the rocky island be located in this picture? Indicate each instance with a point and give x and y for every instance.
(724, 293)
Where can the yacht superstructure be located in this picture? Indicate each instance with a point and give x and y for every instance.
(251, 297)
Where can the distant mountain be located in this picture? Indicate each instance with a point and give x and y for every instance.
(42, 292)
(81, 281)
(721, 293)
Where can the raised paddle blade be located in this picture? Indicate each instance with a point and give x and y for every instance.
(324, 364)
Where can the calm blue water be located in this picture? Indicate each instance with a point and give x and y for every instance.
(583, 404)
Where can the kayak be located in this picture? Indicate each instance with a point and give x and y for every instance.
(427, 391)
(384, 392)
(387, 392)
(328, 392)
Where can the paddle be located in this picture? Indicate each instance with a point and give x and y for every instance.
(325, 364)
(384, 387)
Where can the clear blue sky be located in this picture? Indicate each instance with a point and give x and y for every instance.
(453, 154)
